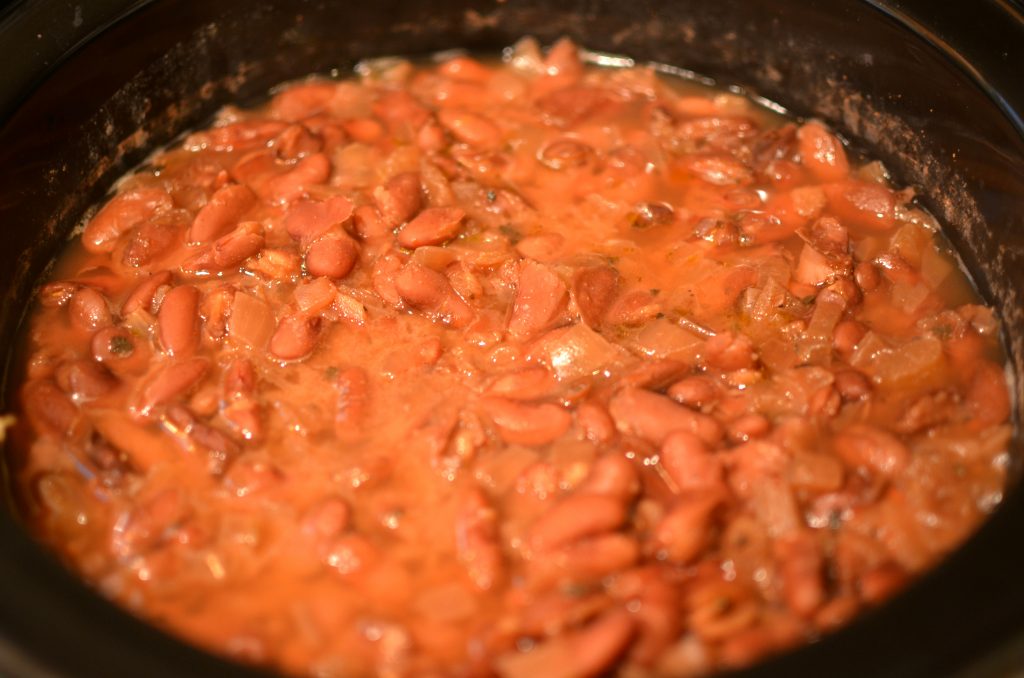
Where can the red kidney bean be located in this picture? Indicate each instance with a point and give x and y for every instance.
(697, 391)
(251, 474)
(584, 653)
(296, 141)
(84, 380)
(719, 170)
(368, 223)
(333, 255)
(612, 475)
(867, 276)
(429, 291)
(867, 447)
(399, 199)
(401, 112)
(590, 559)
(56, 294)
(540, 298)
(653, 417)
(476, 540)
(595, 422)
(689, 464)
(432, 226)
(309, 171)
(276, 264)
(295, 337)
(170, 382)
(748, 426)
(119, 350)
(123, 212)
(178, 321)
(593, 290)
(150, 241)
(236, 136)
(802, 570)
(88, 310)
(575, 517)
(729, 352)
(141, 298)
(821, 153)
(221, 213)
(868, 206)
(527, 424)
(530, 383)
(303, 100)
(846, 336)
(684, 531)
(880, 583)
(307, 220)
(48, 409)
(472, 129)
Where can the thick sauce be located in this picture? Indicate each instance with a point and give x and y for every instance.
(526, 369)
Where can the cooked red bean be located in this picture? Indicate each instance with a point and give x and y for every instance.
(430, 291)
(519, 368)
(295, 337)
(178, 321)
(123, 212)
(527, 424)
(171, 381)
(653, 416)
(400, 198)
(540, 297)
(333, 255)
(577, 516)
(432, 226)
(221, 213)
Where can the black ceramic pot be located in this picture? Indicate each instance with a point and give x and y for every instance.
(934, 89)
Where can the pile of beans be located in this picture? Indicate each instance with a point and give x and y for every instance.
(520, 368)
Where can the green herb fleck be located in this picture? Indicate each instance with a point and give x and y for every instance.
(942, 331)
(331, 373)
(659, 316)
(121, 345)
(655, 291)
(491, 196)
(835, 520)
(808, 300)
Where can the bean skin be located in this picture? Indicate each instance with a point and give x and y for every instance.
(399, 199)
(178, 321)
(141, 298)
(429, 291)
(295, 337)
(697, 391)
(653, 417)
(122, 213)
(527, 424)
(221, 213)
(88, 310)
(120, 351)
(333, 255)
(169, 382)
(590, 559)
(432, 226)
(575, 517)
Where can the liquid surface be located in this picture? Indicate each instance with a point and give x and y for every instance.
(518, 369)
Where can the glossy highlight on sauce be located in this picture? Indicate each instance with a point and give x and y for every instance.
(526, 368)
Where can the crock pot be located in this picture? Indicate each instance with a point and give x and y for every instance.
(933, 89)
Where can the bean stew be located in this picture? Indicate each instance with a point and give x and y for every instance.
(521, 368)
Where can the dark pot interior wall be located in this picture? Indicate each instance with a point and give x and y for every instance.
(85, 120)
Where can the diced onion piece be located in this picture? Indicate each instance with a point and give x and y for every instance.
(576, 351)
(251, 321)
